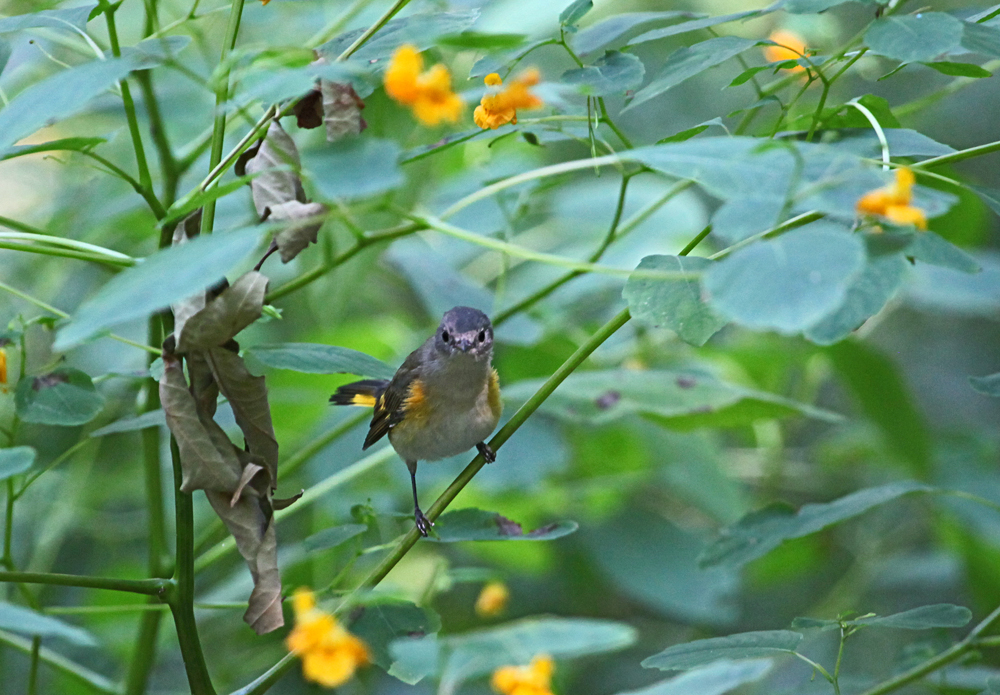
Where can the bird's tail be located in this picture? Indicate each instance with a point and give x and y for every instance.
(365, 392)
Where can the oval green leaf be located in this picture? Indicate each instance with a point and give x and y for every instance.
(15, 460)
(64, 397)
(315, 358)
(743, 645)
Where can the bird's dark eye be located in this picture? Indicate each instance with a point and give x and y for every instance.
(444, 336)
(482, 336)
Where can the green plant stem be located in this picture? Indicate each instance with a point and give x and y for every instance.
(149, 587)
(544, 292)
(370, 31)
(62, 314)
(168, 162)
(63, 253)
(36, 645)
(265, 681)
(25, 232)
(221, 97)
(787, 225)
(606, 119)
(955, 85)
(181, 599)
(71, 669)
(334, 27)
(359, 245)
(147, 193)
(946, 657)
(959, 156)
(693, 244)
(145, 180)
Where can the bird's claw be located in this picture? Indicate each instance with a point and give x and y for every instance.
(487, 451)
(423, 523)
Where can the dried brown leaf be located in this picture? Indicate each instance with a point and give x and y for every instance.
(208, 458)
(308, 110)
(277, 184)
(251, 521)
(304, 222)
(247, 396)
(224, 316)
(341, 110)
(249, 471)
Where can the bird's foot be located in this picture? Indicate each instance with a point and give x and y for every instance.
(487, 451)
(423, 523)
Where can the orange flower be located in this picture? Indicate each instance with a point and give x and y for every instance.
(893, 202)
(264, 2)
(533, 679)
(3, 366)
(790, 47)
(492, 600)
(330, 654)
(499, 106)
(427, 93)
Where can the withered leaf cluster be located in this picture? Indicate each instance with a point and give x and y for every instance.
(239, 482)
(333, 104)
(277, 191)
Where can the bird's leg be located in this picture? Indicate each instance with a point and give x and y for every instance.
(487, 451)
(423, 523)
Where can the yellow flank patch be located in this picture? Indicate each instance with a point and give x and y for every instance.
(363, 399)
(493, 394)
(415, 405)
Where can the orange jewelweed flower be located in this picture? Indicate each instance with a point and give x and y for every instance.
(893, 202)
(499, 106)
(533, 679)
(3, 366)
(427, 93)
(492, 600)
(330, 654)
(264, 2)
(790, 47)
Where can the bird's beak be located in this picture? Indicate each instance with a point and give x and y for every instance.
(466, 342)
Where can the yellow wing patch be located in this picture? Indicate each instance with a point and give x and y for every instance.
(364, 399)
(415, 405)
(493, 394)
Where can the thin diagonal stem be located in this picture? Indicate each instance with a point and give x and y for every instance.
(221, 97)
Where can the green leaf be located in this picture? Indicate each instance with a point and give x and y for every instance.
(654, 562)
(675, 304)
(73, 17)
(882, 393)
(915, 37)
(479, 652)
(165, 277)
(332, 537)
(683, 135)
(314, 358)
(959, 69)
(415, 658)
(478, 525)
(760, 532)
(475, 39)
(16, 460)
(712, 679)
(603, 396)
(614, 73)
(749, 73)
(25, 621)
(689, 61)
(65, 397)
(611, 30)
(64, 144)
(990, 196)
(922, 618)
(742, 216)
(811, 6)
(789, 283)
(154, 418)
(575, 12)
(981, 38)
(986, 385)
(695, 25)
(933, 250)
(743, 645)
(57, 97)
(381, 622)
(154, 51)
(334, 168)
(420, 30)
(867, 294)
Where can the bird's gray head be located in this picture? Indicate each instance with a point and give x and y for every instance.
(465, 330)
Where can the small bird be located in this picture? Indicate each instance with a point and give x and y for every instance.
(443, 400)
